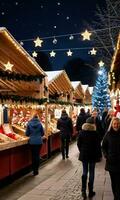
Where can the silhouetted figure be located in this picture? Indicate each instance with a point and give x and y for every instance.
(64, 124)
(81, 119)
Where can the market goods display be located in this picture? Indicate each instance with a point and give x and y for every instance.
(7, 130)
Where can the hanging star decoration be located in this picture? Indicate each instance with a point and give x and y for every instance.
(93, 51)
(69, 53)
(8, 66)
(101, 63)
(34, 54)
(86, 35)
(38, 42)
(52, 54)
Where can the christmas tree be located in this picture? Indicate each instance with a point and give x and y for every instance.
(101, 97)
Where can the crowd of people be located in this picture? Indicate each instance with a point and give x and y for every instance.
(97, 135)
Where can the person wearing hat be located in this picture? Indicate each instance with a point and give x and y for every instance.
(90, 152)
(64, 124)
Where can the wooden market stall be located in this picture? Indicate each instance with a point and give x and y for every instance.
(114, 76)
(22, 83)
(115, 68)
(78, 91)
(60, 92)
(78, 101)
(87, 95)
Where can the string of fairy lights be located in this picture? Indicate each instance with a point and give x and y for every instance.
(86, 35)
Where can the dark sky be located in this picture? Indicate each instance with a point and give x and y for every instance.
(29, 19)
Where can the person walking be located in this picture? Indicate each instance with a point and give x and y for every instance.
(90, 152)
(111, 151)
(35, 132)
(64, 124)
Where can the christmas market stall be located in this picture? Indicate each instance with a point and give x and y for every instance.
(22, 84)
(78, 102)
(114, 78)
(87, 96)
(60, 96)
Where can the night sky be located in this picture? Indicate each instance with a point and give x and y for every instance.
(28, 19)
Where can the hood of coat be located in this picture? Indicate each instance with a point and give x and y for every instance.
(34, 122)
(88, 127)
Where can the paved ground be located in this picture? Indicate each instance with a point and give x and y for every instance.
(58, 180)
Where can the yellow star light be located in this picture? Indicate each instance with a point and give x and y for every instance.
(93, 51)
(86, 35)
(101, 63)
(52, 54)
(38, 42)
(8, 66)
(69, 53)
(34, 54)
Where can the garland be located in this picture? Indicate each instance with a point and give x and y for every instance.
(22, 99)
(20, 77)
(59, 102)
(27, 99)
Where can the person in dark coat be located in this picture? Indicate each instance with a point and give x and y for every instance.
(64, 124)
(111, 151)
(104, 114)
(98, 124)
(90, 152)
(35, 132)
(81, 119)
(108, 119)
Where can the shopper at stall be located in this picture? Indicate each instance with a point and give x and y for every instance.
(111, 151)
(64, 124)
(35, 132)
(90, 152)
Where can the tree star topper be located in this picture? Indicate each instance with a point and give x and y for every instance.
(86, 35)
(93, 51)
(52, 54)
(8, 66)
(69, 53)
(101, 63)
(38, 42)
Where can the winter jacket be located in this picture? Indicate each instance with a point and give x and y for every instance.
(81, 120)
(89, 144)
(35, 131)
(64, 124)
(111, 150)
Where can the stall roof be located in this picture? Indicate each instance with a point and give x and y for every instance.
(84, 87)
(11, 51)
(78, 90)
(58, 81)
(91, 90)
(75, 84)
(116, 57)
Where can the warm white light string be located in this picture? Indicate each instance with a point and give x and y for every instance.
(69, 34)
(79, 48)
